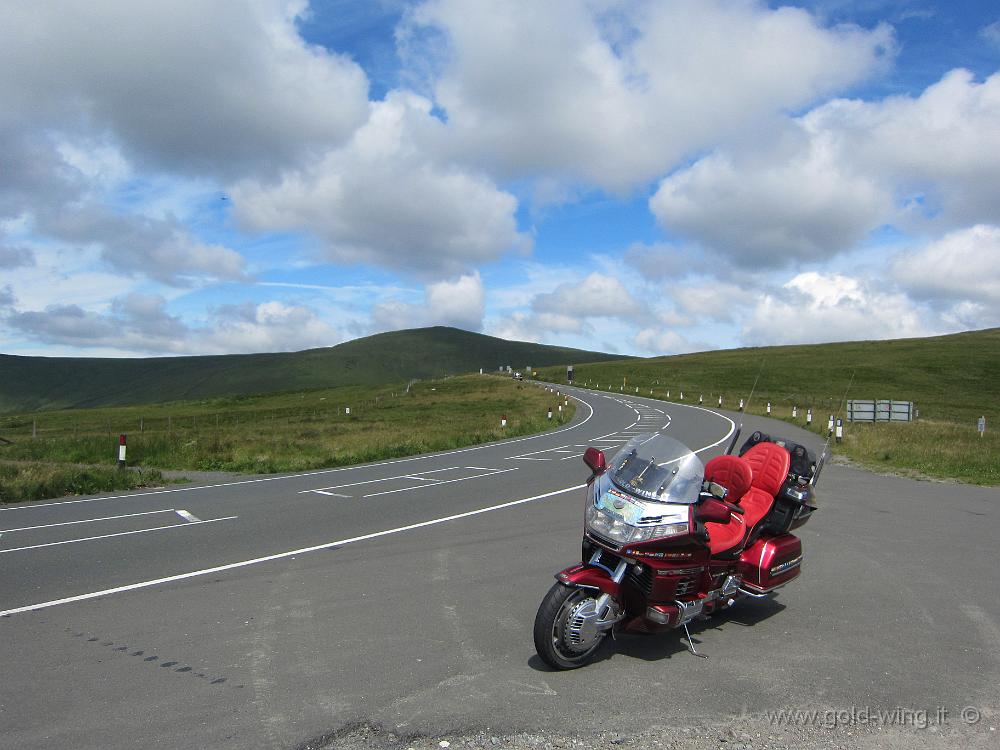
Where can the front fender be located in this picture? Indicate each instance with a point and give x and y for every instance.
(590, 577)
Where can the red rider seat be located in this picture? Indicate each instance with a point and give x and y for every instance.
(770, 463)
(736, 475)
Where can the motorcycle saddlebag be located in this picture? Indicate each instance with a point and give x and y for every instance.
(771, 562)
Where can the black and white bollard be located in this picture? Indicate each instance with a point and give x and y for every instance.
(829, 426)
(809, 416)
(550, 412)
(768, 408)
(682, 395)
(795, 412)
(121, 451)
(701, 398)
(720, 400)
(503, 421)
(840, 430)
(741, 404)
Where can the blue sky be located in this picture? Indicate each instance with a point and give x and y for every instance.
(632, 176)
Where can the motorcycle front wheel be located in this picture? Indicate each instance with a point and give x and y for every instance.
(565, 635)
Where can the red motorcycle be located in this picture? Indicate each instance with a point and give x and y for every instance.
(668, 540)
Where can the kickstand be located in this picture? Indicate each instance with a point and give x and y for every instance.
(691, 644)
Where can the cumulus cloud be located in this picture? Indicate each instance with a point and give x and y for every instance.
(659, 261)
(991, 33)
(386, 198)
(16, 257)
(842, 170)
(964, 265)
(615, 93)
(217, 88)
(597, 295)
(137, 323)
(160, 249)
(815, 307)
(459, 303)
(661, 342)
(7, 298)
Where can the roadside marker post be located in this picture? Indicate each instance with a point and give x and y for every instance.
(741, 404)
(840, 430)
(768, 408)
(121, 451)
(795, 412)
(809, 416)
(720, 400)
(829, 426)
(503, 421)
(550, 412)
(982, 426)
(682, 395)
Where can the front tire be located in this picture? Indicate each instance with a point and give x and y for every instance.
(564, 635)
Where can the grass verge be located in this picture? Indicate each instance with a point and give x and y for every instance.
(950, 379)
(298, 431)
(34, 480)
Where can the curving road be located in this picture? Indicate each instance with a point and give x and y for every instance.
(268, 612)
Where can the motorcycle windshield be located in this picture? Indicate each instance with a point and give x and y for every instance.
(656, 467)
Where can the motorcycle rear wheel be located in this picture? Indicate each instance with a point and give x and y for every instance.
(553, 621)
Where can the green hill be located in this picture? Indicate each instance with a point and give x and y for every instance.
(952, 378)
(37, 383)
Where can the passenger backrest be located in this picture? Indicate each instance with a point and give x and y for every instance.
(733, 473)
(770, 463)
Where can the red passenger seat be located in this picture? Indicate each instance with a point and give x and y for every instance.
(735, 474)
(770, 463)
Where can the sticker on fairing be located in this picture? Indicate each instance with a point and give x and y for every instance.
(621, 505)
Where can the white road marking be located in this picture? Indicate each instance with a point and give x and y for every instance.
(313, 473)
(108, 536)
(441, 481)
(86, 520)
(282, 555)
(187, 516)
(330, 494)
(374, 481)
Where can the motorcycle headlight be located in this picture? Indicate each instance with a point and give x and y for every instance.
(614, 528)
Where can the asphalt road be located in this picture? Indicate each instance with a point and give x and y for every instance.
(271, 612)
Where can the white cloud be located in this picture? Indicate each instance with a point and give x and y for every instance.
(964, 265)
(16, 257)
(659, 342)
(842, 170)
(185, 86)
(140, 324)
(264, 327)
(387, 199)
(459, 303)
(615, 93)
(991, 33)
(597, 295)
(816, 307)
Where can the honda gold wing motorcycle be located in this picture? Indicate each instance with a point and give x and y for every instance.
(668, 539)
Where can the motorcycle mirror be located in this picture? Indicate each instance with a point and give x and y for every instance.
(594, 459)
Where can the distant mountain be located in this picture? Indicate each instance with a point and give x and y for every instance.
(35, 383)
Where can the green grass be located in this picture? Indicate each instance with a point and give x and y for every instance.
(37, 383)
(952, 381)
(32, 480)
(287, 432)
